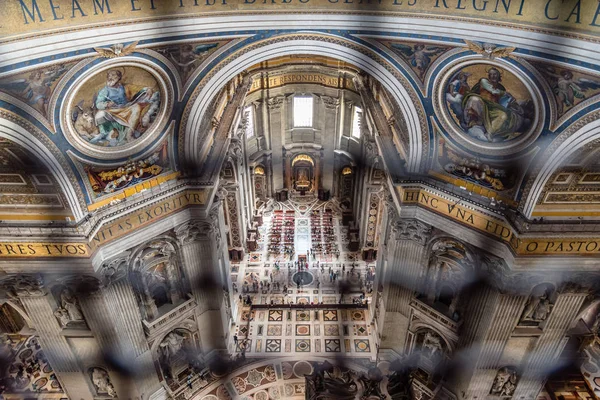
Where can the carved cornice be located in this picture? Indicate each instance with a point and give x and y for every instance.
(411, 229)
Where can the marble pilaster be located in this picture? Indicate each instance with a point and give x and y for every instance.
(61, 356)
(200, 257)
(549, 345)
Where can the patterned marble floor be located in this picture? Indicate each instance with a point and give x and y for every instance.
(284, 332)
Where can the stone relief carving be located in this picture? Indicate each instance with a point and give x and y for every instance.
(171, 345)
(411, 229)
(432, 345)
(102, 382)
(505, 382)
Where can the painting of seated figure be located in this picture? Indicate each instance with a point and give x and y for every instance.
(117, 106)
(489, 103)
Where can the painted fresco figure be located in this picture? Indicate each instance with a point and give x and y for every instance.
(418, 55)
(567, 88)
(457, 89)
(492, 110)
(124, 111)
(488, 111)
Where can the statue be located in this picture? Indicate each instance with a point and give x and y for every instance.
(63, 317)
(505, 382)
(69, 310)
(102, 383)
(432, 343)
(171, 345)
(538, 308)
(70, 305)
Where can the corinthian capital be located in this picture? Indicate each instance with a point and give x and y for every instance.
(275, 103)
(192, 231)
(114, 269)
(25, 285)
(330, 102)
(412, 229)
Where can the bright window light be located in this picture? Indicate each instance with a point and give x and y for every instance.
(249, 113)
(356, 122)
(303, 111)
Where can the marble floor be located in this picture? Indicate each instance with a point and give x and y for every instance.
(330, 331)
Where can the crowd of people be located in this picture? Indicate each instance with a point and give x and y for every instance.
(324, 242)
(281, 236)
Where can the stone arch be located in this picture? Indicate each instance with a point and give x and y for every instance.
(20, 311)
(157, 275)
(26, 135)
(390, 77)
(571, 140)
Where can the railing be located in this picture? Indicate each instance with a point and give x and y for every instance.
(435, 314)
(152, 326)
(332, 306)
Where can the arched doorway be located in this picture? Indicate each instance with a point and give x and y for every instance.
(303, 174)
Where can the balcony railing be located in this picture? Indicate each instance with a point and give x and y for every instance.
(435, 314)
(154, 325)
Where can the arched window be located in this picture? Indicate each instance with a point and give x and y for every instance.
(303, 111)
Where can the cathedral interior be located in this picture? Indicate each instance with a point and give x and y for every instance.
(299, 199)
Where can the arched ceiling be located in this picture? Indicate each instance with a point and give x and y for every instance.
(425, 64)
(29, 189)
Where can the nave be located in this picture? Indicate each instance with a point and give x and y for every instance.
(301, 303)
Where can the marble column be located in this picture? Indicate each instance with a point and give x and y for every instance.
(200, 260)
(37, 303)
(123, 310)
(549, 345)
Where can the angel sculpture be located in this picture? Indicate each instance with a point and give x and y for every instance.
(419, 55)
(36, 88)
(116, 50)
(489, 50)
(567, 88)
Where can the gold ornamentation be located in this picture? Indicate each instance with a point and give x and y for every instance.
(489, 50)
(303, 157)
(116, 50)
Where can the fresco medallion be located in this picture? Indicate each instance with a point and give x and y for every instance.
(116, 109)
(489, 106)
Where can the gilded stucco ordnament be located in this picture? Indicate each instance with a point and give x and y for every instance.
(36, 16)
(412, 116)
